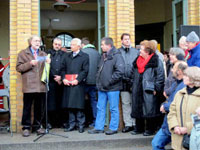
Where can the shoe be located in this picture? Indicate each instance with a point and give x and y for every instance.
(81, 130)
(135, 132)
(92, 125)
(26, 133)
(68, 129)
(110, 132)
(40, 131)
(49, 126)
(127, 129)
(148, 133)
(94, 131)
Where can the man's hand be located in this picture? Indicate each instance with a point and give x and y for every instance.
(33, 62)
(162, 109)
(165, 95)
(183, 130)
(74, 82)
(154, 92)
(66, 82)
(48, 60)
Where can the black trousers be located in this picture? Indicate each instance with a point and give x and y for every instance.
(76, 118)
(147, 124)
(38, 99)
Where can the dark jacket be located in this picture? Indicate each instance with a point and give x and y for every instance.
(55, 92)
(110, 71)
(194, 60)
(144, 102)
(129, 55)
(168, 83)
(94, 58)
(31, 75)
(175, 88)
(74, 96)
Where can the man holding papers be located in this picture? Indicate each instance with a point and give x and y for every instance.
(74, 72)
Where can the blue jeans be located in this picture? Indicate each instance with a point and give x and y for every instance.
(92, 92)
(113, 98)
(160, 140)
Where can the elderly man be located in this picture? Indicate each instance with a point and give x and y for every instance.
(55, 84)
(109, 84)
(74, 72)
(193, 44)
(129, 54)
(30, 65)
(163, 136)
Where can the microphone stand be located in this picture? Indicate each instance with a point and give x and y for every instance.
(46, 113)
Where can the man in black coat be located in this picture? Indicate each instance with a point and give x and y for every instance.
(109, 84)
(55, 84)
(74, 72)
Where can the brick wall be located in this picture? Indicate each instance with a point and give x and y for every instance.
(23, 24)
(194, 12)
(121, 19)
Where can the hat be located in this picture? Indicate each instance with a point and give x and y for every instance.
(192, 37)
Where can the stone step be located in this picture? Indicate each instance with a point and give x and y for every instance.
(76, 141)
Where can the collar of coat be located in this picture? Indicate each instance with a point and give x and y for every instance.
(112, 52)
(153, 62)
(28, 51)
(195, 93)
(53, 52)
(79, 54)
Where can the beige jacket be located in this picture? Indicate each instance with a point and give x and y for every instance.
(31, 75)
(190, 104)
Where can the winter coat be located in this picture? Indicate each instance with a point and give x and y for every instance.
(190, 103)
(175, 88)
(194, 60)
(110, 71)
(31, 75)
(94, 58)
(74, 96)
(55, 92)
(144, 102)
(129, 56)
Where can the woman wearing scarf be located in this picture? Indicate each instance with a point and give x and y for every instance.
(148, 80)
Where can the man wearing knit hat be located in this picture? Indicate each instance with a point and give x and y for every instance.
(193, 44)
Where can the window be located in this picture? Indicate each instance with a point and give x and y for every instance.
(66, 39)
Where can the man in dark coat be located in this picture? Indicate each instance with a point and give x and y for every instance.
(109, 84)
(31, 68)
(74, 73)
(90, 87)
(55, 84)
(129, 54)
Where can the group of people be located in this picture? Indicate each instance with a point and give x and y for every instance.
(149, 84)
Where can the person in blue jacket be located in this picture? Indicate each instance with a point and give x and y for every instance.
(193, 44)
(163, 136)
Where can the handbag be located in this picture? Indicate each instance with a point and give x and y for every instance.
(186, 137)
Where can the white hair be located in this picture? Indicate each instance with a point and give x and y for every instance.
(77, 40)
(182, 40)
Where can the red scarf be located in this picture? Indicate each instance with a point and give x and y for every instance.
(141, 63)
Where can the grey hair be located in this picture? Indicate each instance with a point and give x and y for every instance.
(108, 41)
(77, 40)
(182, 65)
(182, 40)
(57, 39)
(31, 38)
(194, 75)
(176, 51)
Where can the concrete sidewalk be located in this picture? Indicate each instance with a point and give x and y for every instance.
(75, 141)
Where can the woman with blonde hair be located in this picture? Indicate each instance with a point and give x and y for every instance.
(185, 103)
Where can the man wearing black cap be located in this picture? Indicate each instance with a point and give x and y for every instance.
(193, 43)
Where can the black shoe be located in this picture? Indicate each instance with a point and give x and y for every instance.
(94, 131)
(81, 130)
(69, 129)
(135, 132)
(148, 133)
(127, 129)
(110, 132)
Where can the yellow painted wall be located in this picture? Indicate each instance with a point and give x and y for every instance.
(4, 28)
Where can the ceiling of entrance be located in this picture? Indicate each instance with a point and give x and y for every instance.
(78, 17)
